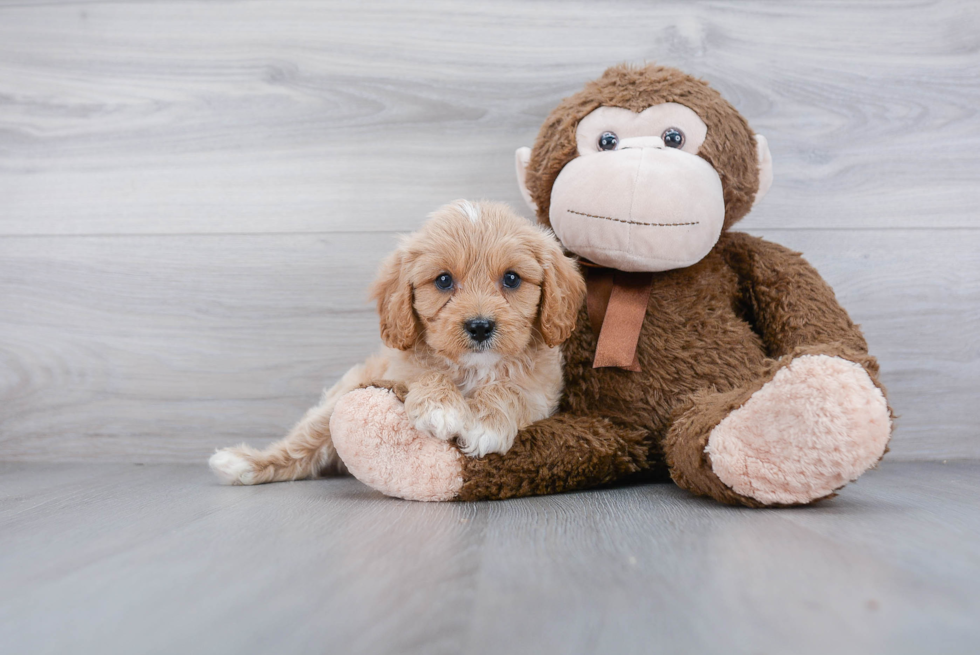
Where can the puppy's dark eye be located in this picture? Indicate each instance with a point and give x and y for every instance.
(673, 138)
(511, 280)
(444, 282)
(608, 141)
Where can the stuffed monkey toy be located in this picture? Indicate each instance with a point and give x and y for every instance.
(711, 356)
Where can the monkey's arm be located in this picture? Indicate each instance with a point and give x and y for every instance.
(380, 447)
(789, 304)
(562, 453)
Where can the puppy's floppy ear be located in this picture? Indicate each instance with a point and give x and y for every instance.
(562, 292)
(400, 327)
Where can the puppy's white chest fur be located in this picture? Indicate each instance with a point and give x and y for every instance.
(478, 369)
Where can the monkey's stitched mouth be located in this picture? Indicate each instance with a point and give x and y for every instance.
(620, 220)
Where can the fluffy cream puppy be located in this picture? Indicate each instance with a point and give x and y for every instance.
(473, 308)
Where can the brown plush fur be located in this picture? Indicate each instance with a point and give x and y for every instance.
(714, 332)
(712, 336)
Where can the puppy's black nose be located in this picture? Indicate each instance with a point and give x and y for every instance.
(479, 329)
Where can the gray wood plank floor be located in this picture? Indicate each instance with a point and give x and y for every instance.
(195, 194)
(159, 559)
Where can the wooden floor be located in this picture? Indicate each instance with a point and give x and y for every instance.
(121, 558)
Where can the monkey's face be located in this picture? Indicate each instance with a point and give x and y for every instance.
(641, 192)
(638, 197)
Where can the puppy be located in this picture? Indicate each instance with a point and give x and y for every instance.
(473, 308)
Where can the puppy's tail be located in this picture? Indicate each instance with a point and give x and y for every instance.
(306, 452)
(280, 462)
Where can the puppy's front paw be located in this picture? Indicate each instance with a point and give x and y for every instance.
(232, 467)
(480, 439)
(441, 421)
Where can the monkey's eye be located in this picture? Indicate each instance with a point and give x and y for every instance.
(444, 282)
(608, 141)
(673, 138)
(511, 280)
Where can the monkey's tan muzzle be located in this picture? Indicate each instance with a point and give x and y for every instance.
(642, 207)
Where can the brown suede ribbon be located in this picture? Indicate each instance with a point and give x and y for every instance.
(617, 302)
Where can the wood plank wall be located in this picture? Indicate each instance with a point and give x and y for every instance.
(194, 195)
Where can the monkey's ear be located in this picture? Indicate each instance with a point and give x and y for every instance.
(400, 327)
(523, 158)
(765, 168)
(562, 293)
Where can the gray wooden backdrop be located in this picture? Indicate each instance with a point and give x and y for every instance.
(194, 195)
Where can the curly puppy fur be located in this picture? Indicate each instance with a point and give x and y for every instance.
(477, 392)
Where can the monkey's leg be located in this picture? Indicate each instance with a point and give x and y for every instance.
(376, 441)
(807, 426)
(306, 452)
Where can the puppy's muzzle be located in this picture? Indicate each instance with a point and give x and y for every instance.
(480, 329)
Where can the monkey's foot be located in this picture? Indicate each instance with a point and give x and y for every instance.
(817, 425)
(376, 440)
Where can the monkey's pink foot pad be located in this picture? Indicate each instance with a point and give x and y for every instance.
(379, 446)
(817, 425)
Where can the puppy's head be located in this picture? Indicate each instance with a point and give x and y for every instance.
(477, 278)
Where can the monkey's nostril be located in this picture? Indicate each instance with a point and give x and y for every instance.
(479, 329)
